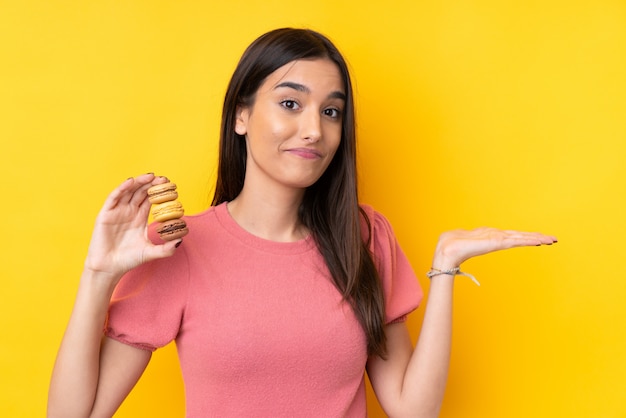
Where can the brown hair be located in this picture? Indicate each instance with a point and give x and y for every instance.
(330, 207)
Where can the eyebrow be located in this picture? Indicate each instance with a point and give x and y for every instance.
(305, 89)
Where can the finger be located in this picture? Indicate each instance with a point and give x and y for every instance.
(542, 238)
(161, 251)
(547, 240)
(144, 210)
(141, 195)
(125, 191)
(136, 192)
(114, 198)
(140, 198)
(160, 180)
(528, 239)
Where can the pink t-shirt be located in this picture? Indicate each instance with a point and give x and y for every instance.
(260, 329)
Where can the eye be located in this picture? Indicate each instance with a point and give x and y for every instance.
(332, 113)
(290, 104)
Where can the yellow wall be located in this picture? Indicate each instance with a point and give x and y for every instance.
(510, 114)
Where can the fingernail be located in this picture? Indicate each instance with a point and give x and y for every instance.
(178, 243)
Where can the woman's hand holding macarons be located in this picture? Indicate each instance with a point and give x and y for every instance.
(119, 241)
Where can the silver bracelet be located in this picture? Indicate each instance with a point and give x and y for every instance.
(456, 271)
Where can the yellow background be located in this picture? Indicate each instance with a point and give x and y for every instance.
(471, 113)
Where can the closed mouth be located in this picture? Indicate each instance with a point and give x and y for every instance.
(305, 152)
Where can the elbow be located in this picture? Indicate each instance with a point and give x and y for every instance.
(423, 413)
(416, 408)
(59, 408)
(59, 413)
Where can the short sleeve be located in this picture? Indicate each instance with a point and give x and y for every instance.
(148, 303)
(402, 290)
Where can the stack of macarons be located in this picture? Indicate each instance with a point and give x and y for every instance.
(167, 211)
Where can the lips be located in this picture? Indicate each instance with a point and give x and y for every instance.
(307, 153)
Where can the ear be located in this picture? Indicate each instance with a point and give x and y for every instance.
(241, 120)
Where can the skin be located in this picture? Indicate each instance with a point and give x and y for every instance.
(292, 131)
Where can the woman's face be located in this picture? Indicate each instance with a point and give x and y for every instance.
(293, 128)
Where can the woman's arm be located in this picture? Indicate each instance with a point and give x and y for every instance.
(92, 375)
(411, 382)
(88, 367)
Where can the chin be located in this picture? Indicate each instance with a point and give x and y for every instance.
(303, 182)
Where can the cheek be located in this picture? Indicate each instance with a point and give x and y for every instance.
(283, 127)
(274, 129)
(333, 137)
(334, 152)
(280, 132)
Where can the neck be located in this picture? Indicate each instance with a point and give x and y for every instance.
(272, 216)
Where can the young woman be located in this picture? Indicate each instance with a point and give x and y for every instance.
(286, 291)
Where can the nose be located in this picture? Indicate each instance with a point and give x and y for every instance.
(311, 127)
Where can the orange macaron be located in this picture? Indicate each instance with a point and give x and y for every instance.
(162, 193)
(167, 211)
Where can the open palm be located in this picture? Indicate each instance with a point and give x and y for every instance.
(455, 247)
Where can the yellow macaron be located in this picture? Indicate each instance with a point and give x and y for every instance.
(165, 211)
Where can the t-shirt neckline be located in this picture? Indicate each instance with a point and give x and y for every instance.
(231, 226)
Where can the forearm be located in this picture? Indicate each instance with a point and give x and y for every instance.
(426, 374)
(74, 379)
(411, 382)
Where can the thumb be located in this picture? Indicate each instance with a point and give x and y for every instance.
(162, 251)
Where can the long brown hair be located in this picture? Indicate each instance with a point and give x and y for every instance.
(330, 207)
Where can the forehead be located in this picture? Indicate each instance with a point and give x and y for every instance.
(316, 74)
